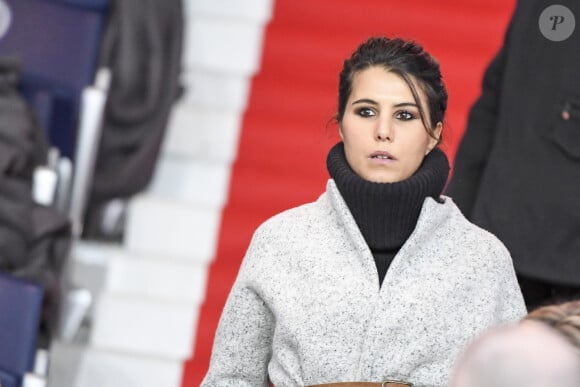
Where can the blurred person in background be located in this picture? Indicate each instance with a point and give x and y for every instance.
(382, 278)
(517, 169)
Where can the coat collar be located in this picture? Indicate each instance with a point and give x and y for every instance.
(433, 216)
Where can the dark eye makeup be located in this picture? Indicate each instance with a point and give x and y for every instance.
(365, 112)
(402, 115)
(405, 115)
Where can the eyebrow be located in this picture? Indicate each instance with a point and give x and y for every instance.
(371, 102)
(365, 100)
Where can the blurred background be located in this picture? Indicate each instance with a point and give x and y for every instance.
(144, 142)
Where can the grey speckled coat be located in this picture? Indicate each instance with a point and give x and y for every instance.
(306, 307)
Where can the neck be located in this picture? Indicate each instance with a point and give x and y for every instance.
(386, 213)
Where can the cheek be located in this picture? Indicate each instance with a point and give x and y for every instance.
(345, 132)
(353, 144)
(416, 151)
(424, 144)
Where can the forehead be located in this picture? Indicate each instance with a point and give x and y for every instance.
(379, 82)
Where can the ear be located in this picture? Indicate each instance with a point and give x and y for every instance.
(434, 141)
(340, 132)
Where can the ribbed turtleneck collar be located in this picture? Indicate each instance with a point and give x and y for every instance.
(387, 213)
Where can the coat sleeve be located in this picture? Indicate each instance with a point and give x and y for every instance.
(475, 146)
(510, 305)
(243, 341)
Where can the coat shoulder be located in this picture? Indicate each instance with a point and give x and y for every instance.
(472, 236)
(297, 220)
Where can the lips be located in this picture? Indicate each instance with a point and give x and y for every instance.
(382, 155)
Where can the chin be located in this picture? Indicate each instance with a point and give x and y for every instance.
(382, 179)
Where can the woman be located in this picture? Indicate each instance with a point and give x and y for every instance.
(381, 278)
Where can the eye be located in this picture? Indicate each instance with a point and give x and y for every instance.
(366, 112)
(405, 115)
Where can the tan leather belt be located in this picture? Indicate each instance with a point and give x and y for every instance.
(387, 383)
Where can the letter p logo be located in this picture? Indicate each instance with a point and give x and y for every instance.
(557, 23)
(556, 20)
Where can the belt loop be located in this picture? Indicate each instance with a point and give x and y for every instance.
(395, 383)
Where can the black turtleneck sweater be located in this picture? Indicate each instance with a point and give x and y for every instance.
(387, 213)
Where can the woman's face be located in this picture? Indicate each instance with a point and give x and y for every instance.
(384, 138)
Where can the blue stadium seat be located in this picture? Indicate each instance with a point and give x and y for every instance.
(20, 312)
(57, 42)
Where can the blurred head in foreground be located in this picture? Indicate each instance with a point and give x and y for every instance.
(530, 354)
(564, 317)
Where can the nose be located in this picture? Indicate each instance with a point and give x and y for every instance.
(384, 131)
